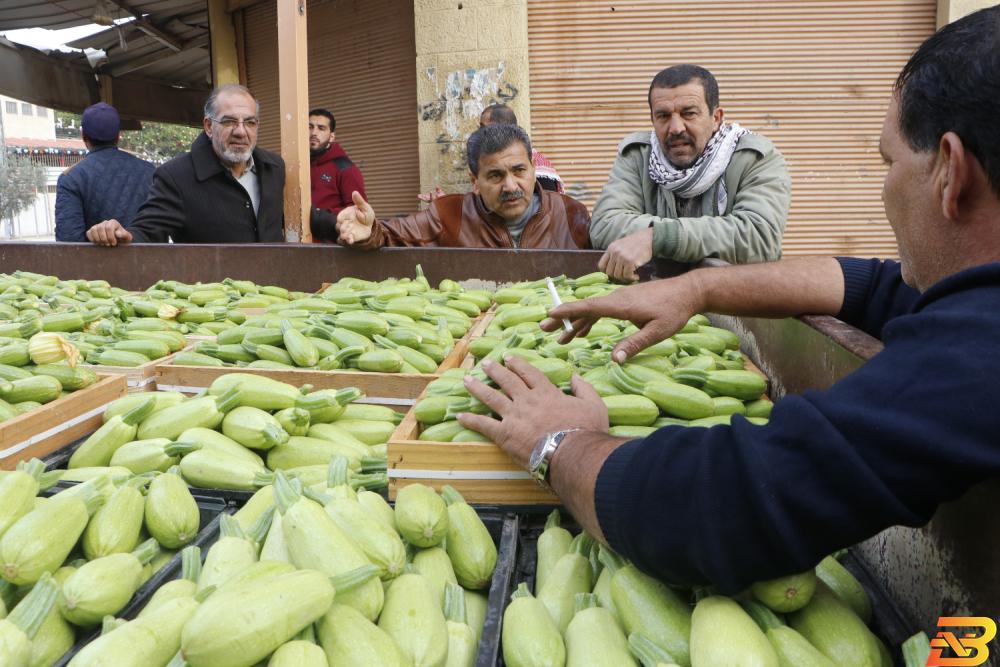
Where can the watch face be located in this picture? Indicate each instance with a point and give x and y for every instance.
(535, 459)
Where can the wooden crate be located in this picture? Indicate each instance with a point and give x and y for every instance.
(58, 423)
(481, 472)
(139, 378)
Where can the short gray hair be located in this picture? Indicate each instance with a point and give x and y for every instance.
(491, 139)
(211, 104)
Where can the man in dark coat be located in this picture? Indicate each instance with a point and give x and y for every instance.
(226, 190)
(108, 184)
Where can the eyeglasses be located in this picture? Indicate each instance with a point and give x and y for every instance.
(232, 123)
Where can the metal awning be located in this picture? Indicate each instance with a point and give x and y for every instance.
(158, 59)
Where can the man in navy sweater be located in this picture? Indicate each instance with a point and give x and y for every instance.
(914, 427)
(108, 184)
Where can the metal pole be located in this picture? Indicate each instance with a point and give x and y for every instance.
(3, 140)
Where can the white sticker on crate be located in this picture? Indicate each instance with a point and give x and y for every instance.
(400, 473)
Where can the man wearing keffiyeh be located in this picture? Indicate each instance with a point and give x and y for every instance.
(695, 186)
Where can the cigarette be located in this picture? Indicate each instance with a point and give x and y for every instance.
(556, 301)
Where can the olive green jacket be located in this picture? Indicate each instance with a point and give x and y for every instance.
(758, 191)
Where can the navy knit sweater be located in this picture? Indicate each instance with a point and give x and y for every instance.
(107, 184)
(915, 426)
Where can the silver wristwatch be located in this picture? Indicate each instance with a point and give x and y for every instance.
(538, 464)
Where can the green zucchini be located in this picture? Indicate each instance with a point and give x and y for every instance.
(315, 541)
(571, 574)
(462, 643)
(298, 653)
(161, 400)
(349, 639)
(206, 438)
(530, 638)
(845, 586)
(115, 527)
(836, 631)
(142, 456)
(253, 428)
(295, 421)
(207, 411)
(172, 515)
(22, 625)
(648, 607)
(594, 638)
(413, 617)
(185, 586)
(244, 624)
(232, 553)
(212, 469)
(723, 635)
(381, 545)
(435, 565)
(105, 585)
(553, 544)
(18, 489)
(421, 515)
(100, 446)
(786, 594)
(40, 541)
(792, 648)
(468, 543)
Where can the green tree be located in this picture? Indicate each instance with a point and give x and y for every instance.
(156, 142)
(20, 180)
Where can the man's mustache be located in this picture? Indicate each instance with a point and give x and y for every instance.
(682, 137)
(512, 196)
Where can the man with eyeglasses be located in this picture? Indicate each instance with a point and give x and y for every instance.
(225, 190)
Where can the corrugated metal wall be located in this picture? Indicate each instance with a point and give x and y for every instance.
(815, 77)
(361, 67)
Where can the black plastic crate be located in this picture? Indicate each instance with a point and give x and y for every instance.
(503, 528)
(210, 510)
(888, 621)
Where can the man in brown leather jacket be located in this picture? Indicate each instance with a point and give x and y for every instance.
(506, 208)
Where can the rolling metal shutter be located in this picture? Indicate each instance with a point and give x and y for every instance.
(361, 67)
(815, 77)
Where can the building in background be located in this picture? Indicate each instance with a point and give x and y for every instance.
(30, 131)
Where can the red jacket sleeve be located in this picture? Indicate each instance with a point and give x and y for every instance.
(349, 180)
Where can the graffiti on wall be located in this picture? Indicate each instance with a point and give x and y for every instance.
(461, 96)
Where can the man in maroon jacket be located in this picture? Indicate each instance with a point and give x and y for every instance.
(334, 176)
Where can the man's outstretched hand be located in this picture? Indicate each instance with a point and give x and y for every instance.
(354, 223)
(530, 406)
(659, 308)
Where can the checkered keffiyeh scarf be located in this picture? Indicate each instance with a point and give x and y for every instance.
(706, 170)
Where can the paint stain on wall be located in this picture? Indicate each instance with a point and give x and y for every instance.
(461, 97)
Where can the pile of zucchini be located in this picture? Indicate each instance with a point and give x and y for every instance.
(303, 575)
(69, 560)
(592, 608)
(393, 326)
(235, 435)
(697, 377)
(38, 371)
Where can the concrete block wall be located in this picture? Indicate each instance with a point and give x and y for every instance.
(470, 54)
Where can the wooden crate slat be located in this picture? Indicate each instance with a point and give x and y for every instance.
(139, 378)
(501, 492)
(382, 385)
(58, 423)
